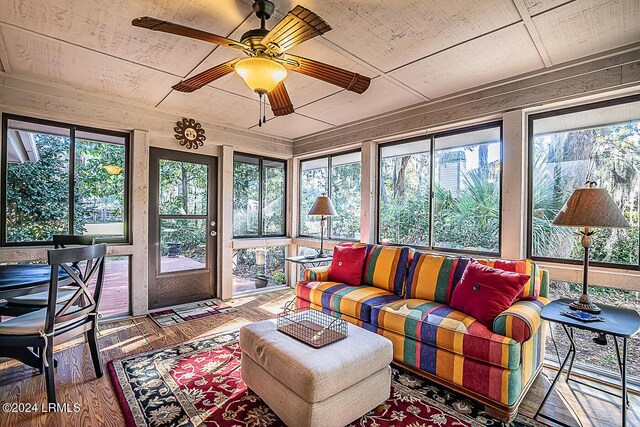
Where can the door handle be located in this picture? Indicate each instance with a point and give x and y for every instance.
(214, 234)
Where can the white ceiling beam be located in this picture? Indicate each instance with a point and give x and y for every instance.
(533, 32)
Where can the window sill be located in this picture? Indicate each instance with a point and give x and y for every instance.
(599, 276)
(39, 253)
(246, 243)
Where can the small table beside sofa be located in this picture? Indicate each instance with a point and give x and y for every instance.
(405, 296)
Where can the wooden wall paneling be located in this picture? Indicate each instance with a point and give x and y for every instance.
(139, 225)
(225, 224)
(368, 189)
(514, 190)
(54, 102)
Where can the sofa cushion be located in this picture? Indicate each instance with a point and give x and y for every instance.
(354, 301)
(484, 292)
(347, 265)
(386, 267)
(434, 277)
(441, 326)
(524, 266)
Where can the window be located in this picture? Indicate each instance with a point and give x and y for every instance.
(405, 187)
(257, 268)
(339, 176)
(63, 179)
(598, 142)
(259, 189)
(442, 191)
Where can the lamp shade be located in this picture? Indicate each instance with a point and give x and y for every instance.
(262, 75)
(323, 206)
(591, 207)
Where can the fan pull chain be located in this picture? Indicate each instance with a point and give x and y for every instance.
(262, 115)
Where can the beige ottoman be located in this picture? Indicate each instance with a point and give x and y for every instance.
(330, 386)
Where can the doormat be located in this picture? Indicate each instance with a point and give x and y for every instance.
(188, 312)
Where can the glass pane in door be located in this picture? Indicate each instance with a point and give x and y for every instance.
(183, 188)
(183, 244)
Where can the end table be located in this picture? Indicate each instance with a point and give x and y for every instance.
(310, 262)
(618, 323)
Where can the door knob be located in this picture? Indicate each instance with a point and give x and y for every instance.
(213, 223)
(213, 233)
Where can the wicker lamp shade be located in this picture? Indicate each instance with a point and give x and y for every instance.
(591, 207)
(323, 207)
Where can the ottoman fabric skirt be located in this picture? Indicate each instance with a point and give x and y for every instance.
(335, 411)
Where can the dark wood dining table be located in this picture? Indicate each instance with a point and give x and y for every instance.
(23, 279)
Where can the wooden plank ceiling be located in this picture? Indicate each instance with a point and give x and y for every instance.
(415, 50)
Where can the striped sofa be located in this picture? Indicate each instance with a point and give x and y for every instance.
(404, 297)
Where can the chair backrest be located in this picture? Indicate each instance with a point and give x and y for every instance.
(64, 240)
(83, 302)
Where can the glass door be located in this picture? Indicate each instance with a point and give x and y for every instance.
(182, 227)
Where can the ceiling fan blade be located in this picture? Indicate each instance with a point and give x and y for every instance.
(171, 28)
(280, 102)
(348, 80)
(299, 25)
(205, 77)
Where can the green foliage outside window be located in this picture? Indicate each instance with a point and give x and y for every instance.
(38, 192)
(564, 161)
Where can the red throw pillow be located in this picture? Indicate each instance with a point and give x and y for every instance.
(347, 264)
(484, 292)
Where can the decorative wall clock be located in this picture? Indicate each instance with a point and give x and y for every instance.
(189, 133)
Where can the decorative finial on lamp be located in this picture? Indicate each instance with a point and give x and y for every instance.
(589, 207)
(323, 208)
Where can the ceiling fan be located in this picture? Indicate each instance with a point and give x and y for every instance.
(265, 67)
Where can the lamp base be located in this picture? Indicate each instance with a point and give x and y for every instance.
(589, 307)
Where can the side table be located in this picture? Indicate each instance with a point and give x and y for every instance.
(619, 323)
(310, 262)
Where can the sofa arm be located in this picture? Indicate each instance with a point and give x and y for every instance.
(317, 274)
(520, 321)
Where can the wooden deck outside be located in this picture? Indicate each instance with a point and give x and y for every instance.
(76, 383)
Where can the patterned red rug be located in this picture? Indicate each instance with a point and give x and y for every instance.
(199, 383)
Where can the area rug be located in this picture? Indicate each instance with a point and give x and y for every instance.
(199, 384)
(185, 313)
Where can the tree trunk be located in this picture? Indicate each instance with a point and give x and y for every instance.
(184, 188)
(398, 185)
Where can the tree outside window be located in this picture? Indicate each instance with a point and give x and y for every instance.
(340, 177)
(442, 191)
(259, 194)
(42, 200)
(571, 147)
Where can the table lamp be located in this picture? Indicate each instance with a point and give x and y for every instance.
(323, 208)
(589, 207)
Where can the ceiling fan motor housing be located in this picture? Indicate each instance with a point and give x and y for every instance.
(263, 8)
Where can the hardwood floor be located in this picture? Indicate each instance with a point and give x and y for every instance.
(76, 382)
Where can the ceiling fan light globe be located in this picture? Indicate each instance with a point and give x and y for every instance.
(261, 75)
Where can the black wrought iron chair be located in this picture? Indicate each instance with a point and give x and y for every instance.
(30, 338)
(23, 304)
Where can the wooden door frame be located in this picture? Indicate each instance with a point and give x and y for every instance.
(155, 155)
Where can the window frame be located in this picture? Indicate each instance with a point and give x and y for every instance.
(328, 235)
(430, 139)
(530, 165)
(261, 159)
(126, 136)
